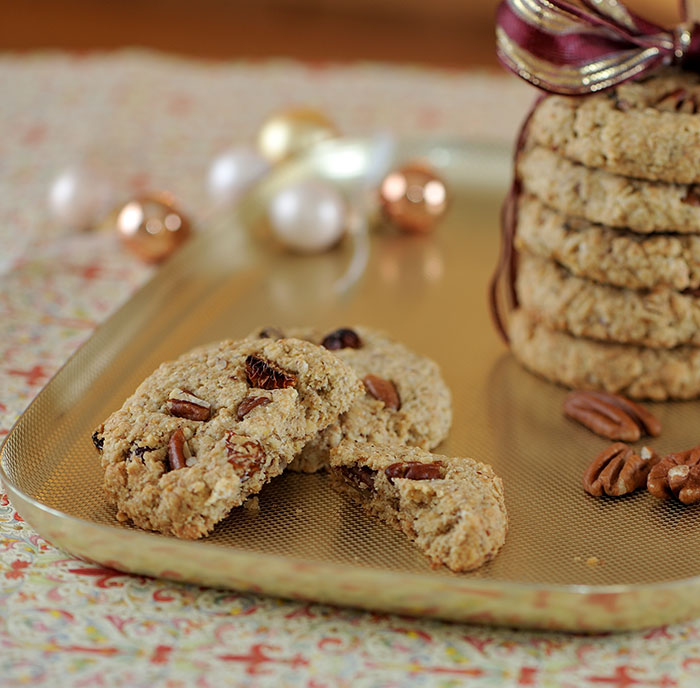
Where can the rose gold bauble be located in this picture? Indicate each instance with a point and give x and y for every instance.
(289, 132)
(151, 227)
(413, 198)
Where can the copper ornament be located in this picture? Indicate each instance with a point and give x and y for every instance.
(413, 198)
(151, 227)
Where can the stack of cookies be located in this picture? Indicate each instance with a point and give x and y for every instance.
(608, 240)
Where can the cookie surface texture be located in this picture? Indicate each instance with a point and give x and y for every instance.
(196, 438)
(659, 318)
(420, 413)
(598, 196)
(633, 371)
(647, 129)
(453, 509)
(606, 254)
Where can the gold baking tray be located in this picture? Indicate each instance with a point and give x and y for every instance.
(570, 561)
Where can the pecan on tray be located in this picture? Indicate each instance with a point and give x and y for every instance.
(611, 415)
(677, 475)
(619, 470)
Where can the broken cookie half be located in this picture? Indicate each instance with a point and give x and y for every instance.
(453, 509)
(206, 431)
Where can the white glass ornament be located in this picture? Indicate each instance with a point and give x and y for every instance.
(233, 172)
(80, 196)
(308, 216)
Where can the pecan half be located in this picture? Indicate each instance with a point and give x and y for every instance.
(679, 100)
(343, 338)
(383, 390)
(176, 450)
(245, 453)
(619, 470)
(677, 475)
(184, 404)
(248, 404)
(414, 470)
(360, 477)
(610, 415)
(265, 375)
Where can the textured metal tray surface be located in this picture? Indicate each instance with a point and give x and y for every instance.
(570, 561)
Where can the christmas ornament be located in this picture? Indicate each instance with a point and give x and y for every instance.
(413, 197)
(151, 227)
(233, 172)
(80, 196)
(285, 134)
(308, 216)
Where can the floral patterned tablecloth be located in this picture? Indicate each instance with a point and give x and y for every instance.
(155, 122)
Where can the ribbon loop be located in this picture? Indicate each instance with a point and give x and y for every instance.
(575, 47)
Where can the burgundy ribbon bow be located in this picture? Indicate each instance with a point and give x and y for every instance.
(574, 47)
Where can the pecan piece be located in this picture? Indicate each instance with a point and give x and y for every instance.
(610, 415)
(176, 450)
(678, 101)
(383, 390)
(677, 475)
(343, 338)
(619, 470)
(265, 375)
(245, 453)
(184, 404)
(414, 470)
(692, 195)
(360, 477)
(248, 404)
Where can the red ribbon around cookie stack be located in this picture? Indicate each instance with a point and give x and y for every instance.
(576, 48)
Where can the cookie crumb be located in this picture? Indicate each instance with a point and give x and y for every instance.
(593, 561)
(299, 511)
(252, 504)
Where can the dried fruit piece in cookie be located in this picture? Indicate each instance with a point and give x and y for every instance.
(452, 508)
(406, 399)
(610, 415)
(342, 338)
(206, 431)
(619, 470)
(677, 475)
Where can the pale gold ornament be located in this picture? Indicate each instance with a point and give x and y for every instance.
(151, 227)
(289, 132)
(413, 197)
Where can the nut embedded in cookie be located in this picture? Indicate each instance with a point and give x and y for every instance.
(452, 508)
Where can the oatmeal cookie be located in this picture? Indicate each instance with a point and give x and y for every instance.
(406, 399)
(648, 129)
(606, 254)
(204, 432)
(659, 318)
(453, 509)
(634, 371)
(606, 198)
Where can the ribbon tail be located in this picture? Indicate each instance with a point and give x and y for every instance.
(507, 263)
